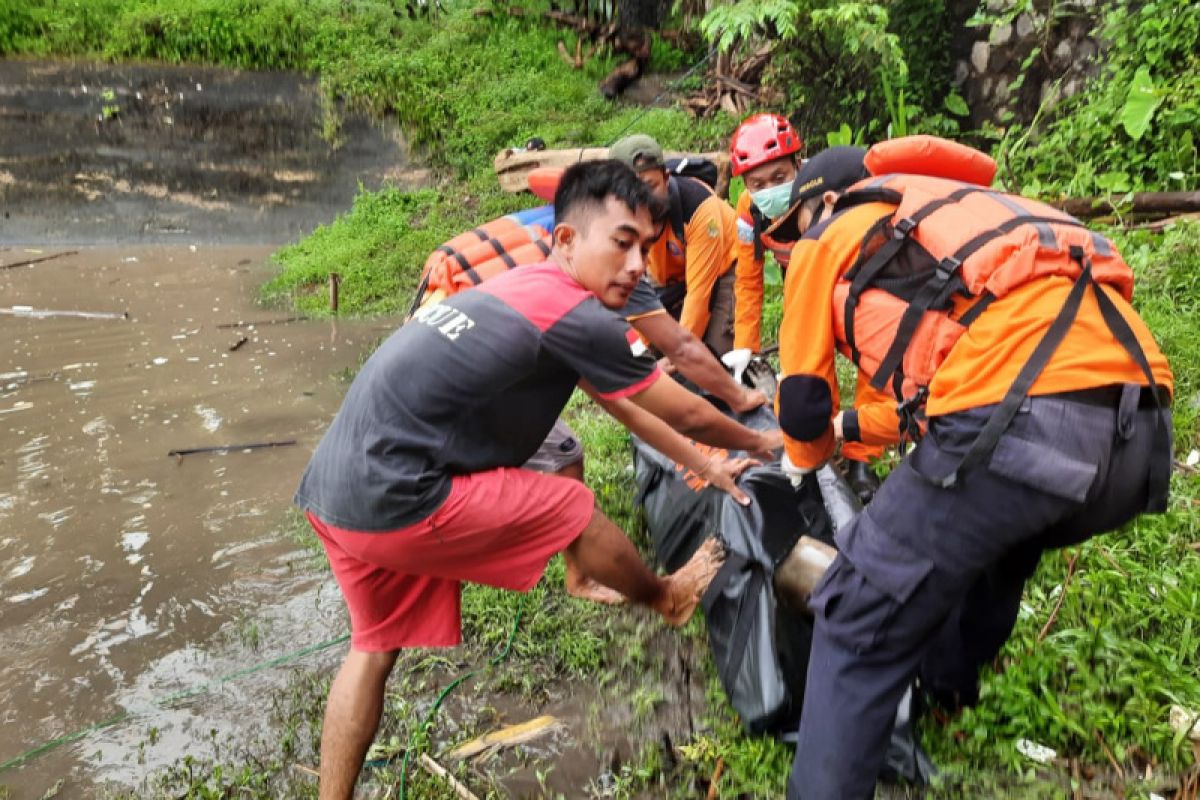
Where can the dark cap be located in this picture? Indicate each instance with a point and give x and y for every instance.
(638, 151)
(832, 170)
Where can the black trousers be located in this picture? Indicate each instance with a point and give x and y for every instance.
(929, 579)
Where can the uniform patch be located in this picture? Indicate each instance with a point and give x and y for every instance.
(713, 230)
(745, 231)
(636, 345)
(674, 249)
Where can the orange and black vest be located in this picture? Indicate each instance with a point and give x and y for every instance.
(471, 258)
(931, 266)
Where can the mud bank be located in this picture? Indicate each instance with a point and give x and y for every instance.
(101, 153)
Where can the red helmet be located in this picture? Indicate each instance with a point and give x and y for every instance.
(762, 138)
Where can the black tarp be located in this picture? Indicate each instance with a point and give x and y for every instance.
(760, 647)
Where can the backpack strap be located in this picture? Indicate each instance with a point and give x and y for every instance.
(685, 196)
(1002, 417)
(938, 287)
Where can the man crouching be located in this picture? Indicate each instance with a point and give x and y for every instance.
(417, 486)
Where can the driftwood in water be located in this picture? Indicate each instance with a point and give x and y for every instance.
(1140, 203)
(512, 166)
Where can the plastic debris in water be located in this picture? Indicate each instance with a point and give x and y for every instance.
(1038, 752)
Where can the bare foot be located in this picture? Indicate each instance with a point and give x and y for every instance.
(687, 584)
(588, 589)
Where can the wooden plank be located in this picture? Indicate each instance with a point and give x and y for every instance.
(505, 737)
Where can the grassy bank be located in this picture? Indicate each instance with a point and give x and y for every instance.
(1097, 658)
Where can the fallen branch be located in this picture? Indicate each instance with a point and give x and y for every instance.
(306, 770)
(437, 770)
(1142, 202)
(227, 447)
(1061, 596)
(1160, 225)
(238, 344)
(507, 736)
(29, 261)
(716, 779)
(241, 324)
(42, 313)
(1109, 754)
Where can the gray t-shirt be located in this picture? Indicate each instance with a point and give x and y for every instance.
(469, 384)
(642, 302)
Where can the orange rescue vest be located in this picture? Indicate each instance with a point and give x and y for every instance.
(471, 258)
(933, 264)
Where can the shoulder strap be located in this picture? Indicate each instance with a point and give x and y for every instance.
(686, 195)
(1002, 417)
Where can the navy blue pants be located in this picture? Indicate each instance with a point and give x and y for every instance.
(929, 579)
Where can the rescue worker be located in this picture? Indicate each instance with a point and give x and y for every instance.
(764, 151)
(692, 261)
(1047, 423)
(416, 485)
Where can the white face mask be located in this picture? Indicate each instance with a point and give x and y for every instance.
(774, 200)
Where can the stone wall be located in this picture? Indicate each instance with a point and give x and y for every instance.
(987, 61)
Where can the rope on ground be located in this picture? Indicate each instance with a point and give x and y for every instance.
(166, 701)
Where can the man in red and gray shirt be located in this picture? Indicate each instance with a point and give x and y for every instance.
(417, 485)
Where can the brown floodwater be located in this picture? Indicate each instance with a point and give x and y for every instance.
(127, 574)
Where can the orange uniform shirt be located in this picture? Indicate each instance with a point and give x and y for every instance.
(983, 363)
(748, 285)
(708, 254)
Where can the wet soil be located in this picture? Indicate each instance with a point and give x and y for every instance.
(101, 153)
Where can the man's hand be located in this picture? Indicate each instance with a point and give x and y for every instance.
(769, 443)
(837, 427)
(667, 366)
(723, 473)
(737, 361)
(795, 474)
(748, 400)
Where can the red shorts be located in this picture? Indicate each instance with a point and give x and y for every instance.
(498, 528)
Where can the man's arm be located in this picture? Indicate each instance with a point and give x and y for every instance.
(748, 283)
(718, 471)
(691, 357)
(806, 399)
(695, 417)
(873, 420)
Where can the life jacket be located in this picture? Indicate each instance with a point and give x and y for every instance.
(471, 258)
(948, 249)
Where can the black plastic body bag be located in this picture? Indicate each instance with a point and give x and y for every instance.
(759, 646)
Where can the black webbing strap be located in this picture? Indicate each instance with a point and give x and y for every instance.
(869, 267)
(986, 298)
(1160, 468)
(481, 233)
(929, 293)
(416, 301)
(901, 232)
(475, 277)
(1007, 409)
(676, 211)
(757, 217)
(545, 248)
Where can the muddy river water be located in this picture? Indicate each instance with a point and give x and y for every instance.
(126, 574)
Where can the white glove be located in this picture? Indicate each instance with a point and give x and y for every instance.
(795, 474)
(737, 360)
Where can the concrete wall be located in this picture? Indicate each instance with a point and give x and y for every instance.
(988, 60)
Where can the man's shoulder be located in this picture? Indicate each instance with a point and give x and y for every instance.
(541, 293)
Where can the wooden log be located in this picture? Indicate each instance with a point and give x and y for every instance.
(512, 167)
(1141, 203)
